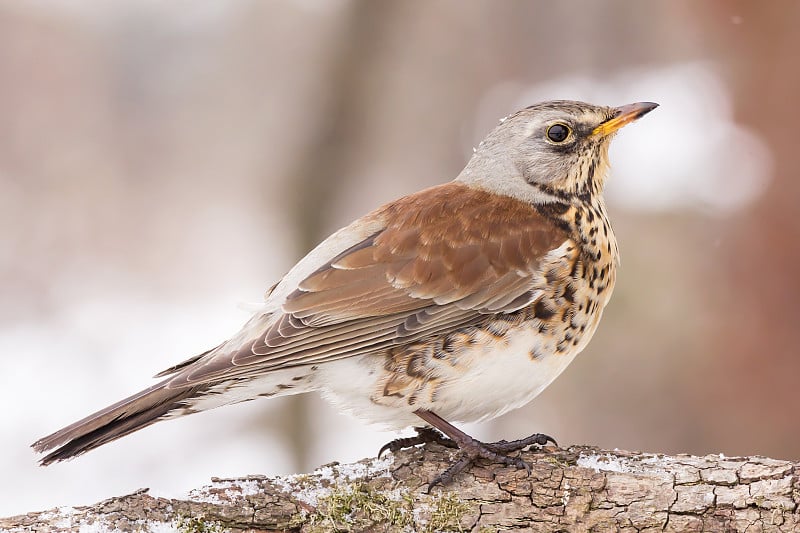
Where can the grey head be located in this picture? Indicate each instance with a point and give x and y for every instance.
(551, 150)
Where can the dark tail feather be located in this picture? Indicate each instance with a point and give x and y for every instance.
(113, 422)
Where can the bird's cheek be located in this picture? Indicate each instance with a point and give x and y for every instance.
(544, 170)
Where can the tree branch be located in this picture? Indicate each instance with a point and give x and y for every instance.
(575, 489)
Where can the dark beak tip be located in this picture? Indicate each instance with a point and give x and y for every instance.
(637, 110)
(644, 108)
(624, 115)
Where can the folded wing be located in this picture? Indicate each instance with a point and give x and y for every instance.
(442, 259)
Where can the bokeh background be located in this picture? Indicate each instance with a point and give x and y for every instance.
(162, 163)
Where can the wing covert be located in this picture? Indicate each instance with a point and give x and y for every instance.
(444, 258)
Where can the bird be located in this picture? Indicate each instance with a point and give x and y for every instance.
(454, 304)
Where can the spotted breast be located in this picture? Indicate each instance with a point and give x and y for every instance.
(563, 258)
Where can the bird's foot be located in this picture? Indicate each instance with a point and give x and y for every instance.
(424, 436)
(494, 452)
(504, 446)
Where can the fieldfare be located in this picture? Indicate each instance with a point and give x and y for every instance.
(457, 303)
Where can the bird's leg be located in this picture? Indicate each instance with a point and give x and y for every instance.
(473, 449)
(424, 436)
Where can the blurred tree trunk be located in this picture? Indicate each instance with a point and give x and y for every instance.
(756, 347)
(320, 171)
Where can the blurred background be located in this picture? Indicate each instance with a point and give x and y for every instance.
(162, 163)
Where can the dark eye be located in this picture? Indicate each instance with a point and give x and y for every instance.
(558, 133)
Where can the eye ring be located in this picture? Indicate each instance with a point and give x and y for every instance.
(558, 133)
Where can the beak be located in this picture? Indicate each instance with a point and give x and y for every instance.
(622, 116)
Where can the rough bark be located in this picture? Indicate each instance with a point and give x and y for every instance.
(574, 489)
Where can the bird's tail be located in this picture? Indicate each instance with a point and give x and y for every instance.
(113, 422)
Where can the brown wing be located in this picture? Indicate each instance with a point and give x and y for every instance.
(445, 257)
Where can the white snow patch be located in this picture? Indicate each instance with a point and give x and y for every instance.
(655, 464)
(166, 494)
(249, 487)
(161, 527)
(200, 495)
(416, 512)
(604, 462)
(60, 517)
(309, 495)
(650, 464)
(361, 470)
(231, 488)
(310, 488)
(100, 526)
(65, 520)
(68, 517)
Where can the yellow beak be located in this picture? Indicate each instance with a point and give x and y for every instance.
(624, 115)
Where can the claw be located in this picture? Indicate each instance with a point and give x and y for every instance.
(446, 477)
(424, 436)
(505, 446)
(385, 447)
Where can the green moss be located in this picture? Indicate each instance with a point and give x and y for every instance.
(192, 524)
(302, 479)
(447, 515)
(297, 521)
(553, 460)
(359, 508)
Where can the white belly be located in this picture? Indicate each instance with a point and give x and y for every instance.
(485, 380)
(501, 378)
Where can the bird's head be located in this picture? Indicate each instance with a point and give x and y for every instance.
(557, 149)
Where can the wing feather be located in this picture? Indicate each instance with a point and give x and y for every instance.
(442, 259)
